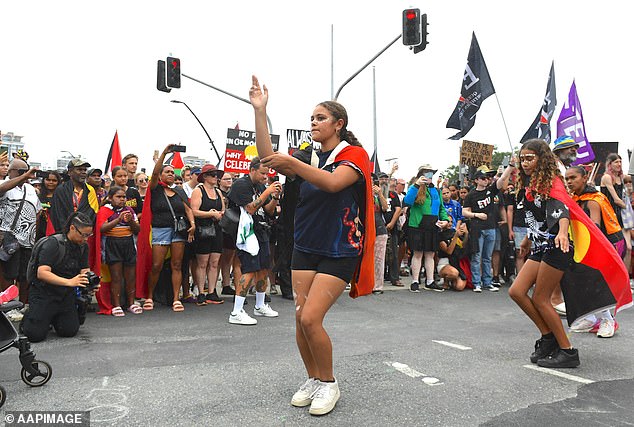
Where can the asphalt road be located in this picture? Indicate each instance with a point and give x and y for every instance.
(402, 359)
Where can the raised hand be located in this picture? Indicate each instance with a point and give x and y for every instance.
(259, 97)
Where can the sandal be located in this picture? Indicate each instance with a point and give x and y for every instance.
(177, 306)
(135, 309)
(117, 312)
(148, 305)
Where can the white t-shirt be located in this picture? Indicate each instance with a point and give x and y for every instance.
(25, 227)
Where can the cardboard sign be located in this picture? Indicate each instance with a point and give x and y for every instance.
(476, 154)
(240, 149)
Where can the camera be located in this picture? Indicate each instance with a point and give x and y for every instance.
(179, 149)
(93, 280)
(41, 174)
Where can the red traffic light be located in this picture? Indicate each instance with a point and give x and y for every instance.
(411, 14)
(175, 63)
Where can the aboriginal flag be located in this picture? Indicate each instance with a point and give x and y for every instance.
(476, 87)
(597, 279)
(114, 155)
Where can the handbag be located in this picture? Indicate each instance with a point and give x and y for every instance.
(206, 231)
(229, 222)
(10, 244)
(180, 224)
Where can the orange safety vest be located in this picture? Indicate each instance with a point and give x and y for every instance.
(609, 221)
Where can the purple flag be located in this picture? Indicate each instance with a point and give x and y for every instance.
(570, 123)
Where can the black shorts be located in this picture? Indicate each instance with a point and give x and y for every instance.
(228, 241)
(554, 257)
(342, 268)
(250, 263)
(208, 245)
(15, 268)
(120, 249)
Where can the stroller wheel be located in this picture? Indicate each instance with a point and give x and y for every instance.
(45, 372)
(3, 396)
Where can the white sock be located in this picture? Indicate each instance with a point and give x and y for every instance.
(238, 304)
(605, 315)
(259, 299)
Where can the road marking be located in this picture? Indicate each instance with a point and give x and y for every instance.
(559, 374)
(450, 344)
(412, 373)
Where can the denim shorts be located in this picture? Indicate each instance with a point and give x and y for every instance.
(166, 236)
(519, 233)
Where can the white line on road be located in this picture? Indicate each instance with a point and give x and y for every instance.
(559, 374)
(412, 373)
(450, 344)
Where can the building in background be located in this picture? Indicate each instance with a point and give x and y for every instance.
(11, 142)
(195, 161)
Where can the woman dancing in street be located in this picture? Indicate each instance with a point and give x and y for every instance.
(547, 220)
(334, 236)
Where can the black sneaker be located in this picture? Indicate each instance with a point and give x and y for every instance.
(496, 282)
(228, 290)
(414, 287)
(433, 286)
(213, 298)
(560, 359)
(200, 299)
(543, 348)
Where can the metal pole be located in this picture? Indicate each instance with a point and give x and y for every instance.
(231, 95)
(201, 125)
(364, 67)
(332, 61)
(376, 157)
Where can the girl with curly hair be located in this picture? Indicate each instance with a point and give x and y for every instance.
(547, 220)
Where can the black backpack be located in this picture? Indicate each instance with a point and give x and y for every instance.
(31, 270)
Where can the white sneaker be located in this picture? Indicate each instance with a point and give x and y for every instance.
(304, 396)
(15, 315)
(606, 329)
(242, 318)
(265, 311)
(325, 398)
(560, 309)
(584, 325)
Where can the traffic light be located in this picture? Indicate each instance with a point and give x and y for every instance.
(423, 44)
(173, 72)
(160, 77)
(411, 27)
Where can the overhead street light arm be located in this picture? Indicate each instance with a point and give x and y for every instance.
(201, 125)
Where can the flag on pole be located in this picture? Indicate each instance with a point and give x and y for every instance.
(541, 125)
(570, 122)
(477, 86)
(374, 162)
(114, 155)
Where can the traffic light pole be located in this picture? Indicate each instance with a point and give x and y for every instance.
(211, 141)
(231, 95)
(365, 66)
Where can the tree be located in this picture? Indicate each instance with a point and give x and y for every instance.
(451, 174)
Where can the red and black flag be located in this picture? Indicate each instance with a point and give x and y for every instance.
(114, 155)
(597, 279)
(541, 125)
(374, 162)
(477, 86)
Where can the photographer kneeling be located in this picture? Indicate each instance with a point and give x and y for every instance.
(62, 265)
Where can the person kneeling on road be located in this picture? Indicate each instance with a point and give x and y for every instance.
(60, 265)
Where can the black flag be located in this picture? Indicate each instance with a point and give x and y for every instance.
(541, 125)
(477, 86)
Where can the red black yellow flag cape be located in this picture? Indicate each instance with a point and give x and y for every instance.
(144, 248)
(597, 279)
(362, 282)
(103, 294)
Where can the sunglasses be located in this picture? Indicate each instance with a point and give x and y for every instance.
(142, 180)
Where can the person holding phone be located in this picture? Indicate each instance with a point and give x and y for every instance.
(164, 205)
(427, 216)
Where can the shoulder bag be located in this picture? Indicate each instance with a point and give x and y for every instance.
(180, 224)
(10, 243)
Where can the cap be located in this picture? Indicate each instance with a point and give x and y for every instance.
(195, 170)
(209, 168)
(382, 175)
(21, 154)
(95, 170)
(564, 142)
(77, 162)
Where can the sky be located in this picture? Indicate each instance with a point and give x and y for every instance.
(74, 72)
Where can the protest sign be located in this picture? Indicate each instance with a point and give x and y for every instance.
(240, 149)
(476, 154)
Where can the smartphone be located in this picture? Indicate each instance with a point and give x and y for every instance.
(4, 149)
(179, 148)
(505, 161)
(41, 174)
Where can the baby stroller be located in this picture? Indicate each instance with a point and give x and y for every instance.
(35, 373)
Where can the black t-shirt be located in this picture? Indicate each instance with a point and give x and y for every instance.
(379, 219)
(481, 201)
(393, 202)
(161, 215)
(519, 213)
(75, 259)
(542, 219)
(131, 183)
(134, 200)
(244, 191)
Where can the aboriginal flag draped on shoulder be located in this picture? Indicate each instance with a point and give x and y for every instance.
(476, 87)
(597, 279)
